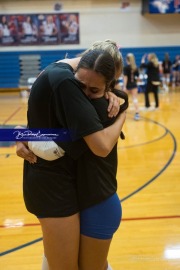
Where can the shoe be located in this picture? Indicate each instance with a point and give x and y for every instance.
(136, 116)
(149, 109)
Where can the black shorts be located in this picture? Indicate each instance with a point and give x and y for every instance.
(131, 86)
(167, 71)
(49, 187)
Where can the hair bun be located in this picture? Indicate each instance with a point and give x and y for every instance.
(111, 41)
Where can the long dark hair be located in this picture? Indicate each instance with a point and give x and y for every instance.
(101, 62)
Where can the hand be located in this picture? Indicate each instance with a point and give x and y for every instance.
(23, 151)
(114, 104)
(143, 58)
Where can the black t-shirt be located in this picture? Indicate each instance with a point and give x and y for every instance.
(152, 71)
(132, 76)
(96, 176)
(58, 101)
(50, 187)
(166, 66)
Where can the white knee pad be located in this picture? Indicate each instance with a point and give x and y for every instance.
(168, 80)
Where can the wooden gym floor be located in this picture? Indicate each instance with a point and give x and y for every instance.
(148, 175)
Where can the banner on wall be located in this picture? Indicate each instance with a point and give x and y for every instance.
(39, 29)
(164, 6)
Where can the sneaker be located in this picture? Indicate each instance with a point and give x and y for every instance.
(136, 116)
(147, 109)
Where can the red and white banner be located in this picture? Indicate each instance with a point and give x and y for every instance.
(39, 29)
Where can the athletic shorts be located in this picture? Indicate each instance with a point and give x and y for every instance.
(130, 87)
(101, 220)
(49, 187)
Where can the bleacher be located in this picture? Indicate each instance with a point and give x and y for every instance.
(10, 70)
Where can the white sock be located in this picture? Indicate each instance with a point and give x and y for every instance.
(45, 265)
(109, 267)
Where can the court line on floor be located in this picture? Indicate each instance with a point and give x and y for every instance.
(21, 246)
(144, 143)
(150, 218)
(164, 167)
(40, 239)
(11, 115)
(124, 147)
(125, 198)
(150, 141)
(123, 219)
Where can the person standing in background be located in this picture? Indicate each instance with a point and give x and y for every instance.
(166, 72)
(131, 75)
(150, 62)
(176, 71)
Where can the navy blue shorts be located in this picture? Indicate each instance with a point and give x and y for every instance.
(130, 87)
(101, 220)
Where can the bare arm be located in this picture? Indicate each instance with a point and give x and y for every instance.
(102, 142)
(125, 79)
(143, 59)
(95, 139)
